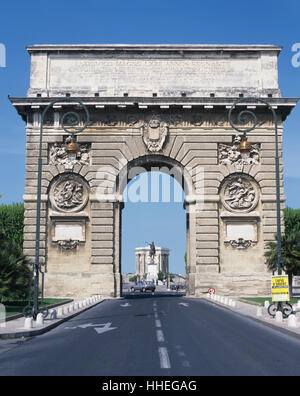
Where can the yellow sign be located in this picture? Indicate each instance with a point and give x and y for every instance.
(280, 288)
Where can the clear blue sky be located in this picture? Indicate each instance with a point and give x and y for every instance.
(30, 22)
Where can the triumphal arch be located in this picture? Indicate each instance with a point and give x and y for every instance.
(161, 106)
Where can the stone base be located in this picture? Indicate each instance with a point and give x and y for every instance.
(234, 285)
(81, 285)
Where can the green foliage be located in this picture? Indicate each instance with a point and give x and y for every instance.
(160, 276)
(12, 221)
(133, 279)
(168, 274)
(291, 220)
(14, 269)
(290, 244)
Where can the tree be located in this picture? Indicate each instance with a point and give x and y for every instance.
(160, 276)
(14, 269)
(290, 245)
(12, 221)
(133, 278)
(291, 220)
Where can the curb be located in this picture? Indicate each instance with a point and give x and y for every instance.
(36, 332)
(20, 315)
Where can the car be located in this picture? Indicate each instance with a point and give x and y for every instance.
(150, 286)
(143, 287)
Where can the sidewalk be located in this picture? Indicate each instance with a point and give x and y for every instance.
(251, 310)
(16, 328)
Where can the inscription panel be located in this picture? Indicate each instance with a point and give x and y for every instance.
(153, 74)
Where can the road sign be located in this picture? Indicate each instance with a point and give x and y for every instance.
(280, 288)
(212, 291)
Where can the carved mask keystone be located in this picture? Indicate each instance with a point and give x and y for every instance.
(154, 134)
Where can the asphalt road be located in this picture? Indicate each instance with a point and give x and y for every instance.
(158, 335)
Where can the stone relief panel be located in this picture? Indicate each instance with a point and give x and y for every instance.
(154, 133)
(69, 193)
(58, 154)
(239, 194)
(175, 119)
(229, 154)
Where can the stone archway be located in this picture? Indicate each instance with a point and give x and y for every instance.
(163, 105)
(173, 169)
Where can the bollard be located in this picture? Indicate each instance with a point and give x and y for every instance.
(40, 320)
(28, 323)
(259, 312)
(226, 300)
(60, 313)
(71, 308)
(80, 305)
(222, 300)
(66, 310)
(292, 321)
(278, 317)
(53, 314)
(76, 306)
(233, 304)
(295, 308)
(2, 316)
(267, 304)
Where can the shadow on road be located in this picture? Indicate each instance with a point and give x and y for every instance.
(136, 295)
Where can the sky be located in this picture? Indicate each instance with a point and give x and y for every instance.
(31, 22)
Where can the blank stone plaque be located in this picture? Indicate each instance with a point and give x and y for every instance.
(237, 231)
(65, 232)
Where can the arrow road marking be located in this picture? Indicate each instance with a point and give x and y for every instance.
(106, 327)
(99, 328)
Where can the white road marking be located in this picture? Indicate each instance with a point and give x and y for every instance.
(164, 358)
(106, 327)
(99, 328)
(184, 304)
(160, 336)
(158, 323)
(126, 305)
(156, 315)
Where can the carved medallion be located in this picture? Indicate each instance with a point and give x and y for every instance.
(69, 193)
(154, 134)
(239, 194)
